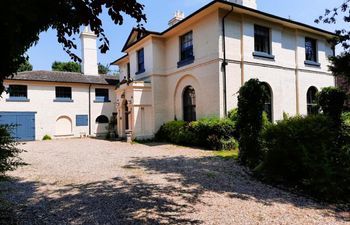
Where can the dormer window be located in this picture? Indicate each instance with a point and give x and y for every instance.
(186, 49)
(140, 61)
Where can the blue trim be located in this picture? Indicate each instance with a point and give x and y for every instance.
(17, 99)
(139, 72)
(263, 55)
(312, 63)
(101, 101)
(18, 112)
(185, 62)
(63, 100)
(82, 120)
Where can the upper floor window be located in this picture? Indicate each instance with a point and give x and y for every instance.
(18, 91)
(310, 49)
(262, 39)
(63, 93)
(128, 71)
(140, 61)
(102, 95)
(186, 46)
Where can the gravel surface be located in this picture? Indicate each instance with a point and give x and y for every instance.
(99, 182)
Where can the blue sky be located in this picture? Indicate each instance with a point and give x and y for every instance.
(159, 12)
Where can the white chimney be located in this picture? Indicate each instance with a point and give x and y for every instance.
(179, 15)
(89, 52)
(248, 3)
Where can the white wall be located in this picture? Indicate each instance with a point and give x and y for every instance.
(42, 95)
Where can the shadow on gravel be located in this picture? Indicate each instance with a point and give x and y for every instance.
(226, 176)
(116, 201)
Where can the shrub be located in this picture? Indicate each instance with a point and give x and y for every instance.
(9, 153)
(212, 133)
(251, 99)
(346, 118)
(331, 101)
(47, 138)
(301, 151)
(233, 115)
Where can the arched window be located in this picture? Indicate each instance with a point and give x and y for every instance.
(102, 119)
(189, 104)
(268, 102)
(312, 107)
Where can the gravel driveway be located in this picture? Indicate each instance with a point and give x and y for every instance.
(99, 182)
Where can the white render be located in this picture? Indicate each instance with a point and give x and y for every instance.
(58, 119)
(157, 93)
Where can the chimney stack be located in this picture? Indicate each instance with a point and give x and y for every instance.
(179, 15)
(247, 3)
(89, 52)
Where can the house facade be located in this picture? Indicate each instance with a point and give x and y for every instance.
(195, 68)
(60, 104)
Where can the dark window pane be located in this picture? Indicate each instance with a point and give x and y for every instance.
(128, 70)
(64, 92)
(101, 94)
(18, 91)
(102, 119)
(140, 60)
(312, 107)
(310, 49)
(186, 46)
(189, 104)
(262, 39)
(268, 102)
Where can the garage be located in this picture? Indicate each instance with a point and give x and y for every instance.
(25, 124)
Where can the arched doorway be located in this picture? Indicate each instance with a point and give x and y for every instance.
(189, 104)
(268, 105)
(311, 101)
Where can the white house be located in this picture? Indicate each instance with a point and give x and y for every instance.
(195, 68)
(60, 104)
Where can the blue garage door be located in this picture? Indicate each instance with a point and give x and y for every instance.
(24, 122)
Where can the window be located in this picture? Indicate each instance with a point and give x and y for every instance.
(312, 107)
(18, 91)
(82, 120)
(262, 39)
(268, 102)
(102, 95)
(102, 119)
(140, 61)
(63, 94)
(310, 50)
(189, 104)
(128, 71)
(186, 49)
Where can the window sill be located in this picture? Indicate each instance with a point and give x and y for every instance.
(62, 100)
(185, 62)
(17, 100)
(312, 63)
(101, 101)
(140, 72)
(263, 55)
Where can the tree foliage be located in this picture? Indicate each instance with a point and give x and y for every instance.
(251, 100)
(26, 66)
(340, 64)
(103, 69)
(9, 153)
(23, 21)
(66, 66)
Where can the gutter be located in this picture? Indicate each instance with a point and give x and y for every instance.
(90, 109)
(224, 63)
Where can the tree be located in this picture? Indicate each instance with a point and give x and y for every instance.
(66, 66)
(23, 21)
(26, 66)
(341, 63)
(103, 69)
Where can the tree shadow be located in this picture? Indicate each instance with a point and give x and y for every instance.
(116, 201)
(226, 176)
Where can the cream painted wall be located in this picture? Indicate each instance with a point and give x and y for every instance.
(42, 95)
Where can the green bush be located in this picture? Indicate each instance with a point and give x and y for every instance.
(233, 115)
(302, 151)
(47, 138)
(9, 153)
(346, 118)
(331, 101)
(251, 101)
(212, 133)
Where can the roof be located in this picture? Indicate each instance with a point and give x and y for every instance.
(64, 77)
(146, 33)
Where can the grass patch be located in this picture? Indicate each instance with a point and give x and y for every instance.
(227, 154)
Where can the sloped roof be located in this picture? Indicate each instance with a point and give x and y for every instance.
(64, 77)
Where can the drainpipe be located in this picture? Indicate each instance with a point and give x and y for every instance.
(224, 63)
(90, 110)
